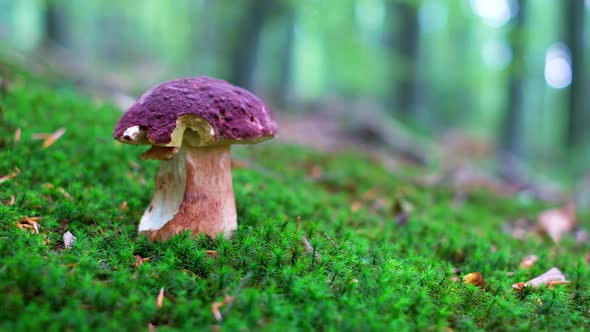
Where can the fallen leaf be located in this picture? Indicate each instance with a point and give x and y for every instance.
(474, 278)
(124, 206)
(528, 261)
(10, 176)
(69, 239)
(10, 201)
(49, 141)
(217, 305)
(151, 327)
(160, 299)
(550, 278)
(140, 260)
(355, 206)
(212, 253)
(29, 223)
(557, 222)
(309, 248)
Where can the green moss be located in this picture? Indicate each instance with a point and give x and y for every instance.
(366, 271)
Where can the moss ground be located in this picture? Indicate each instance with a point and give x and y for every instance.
(367, 270)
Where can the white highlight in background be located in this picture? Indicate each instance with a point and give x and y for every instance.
(558, 67)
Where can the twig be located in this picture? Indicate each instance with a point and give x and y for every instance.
(53, 137)
(330, 239)
(160, 299)
(10, 176)
(17, 133)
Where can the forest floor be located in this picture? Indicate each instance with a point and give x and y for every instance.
(326, 241)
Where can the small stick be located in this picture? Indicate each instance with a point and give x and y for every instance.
(53, 137)
(10, 176)
(160, 299)
(17, 133)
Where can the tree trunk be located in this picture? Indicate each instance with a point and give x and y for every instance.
(53, 34)
(510, 140)
(284, 86)
(405, 45)
(246, 44)
(577, 119)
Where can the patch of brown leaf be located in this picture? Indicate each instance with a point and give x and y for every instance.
(29, 223)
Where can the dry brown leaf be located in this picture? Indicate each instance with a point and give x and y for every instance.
(217, 305)
(212, 253)
(10, 176)
(140, 260)
(124, 206)
(160, 299)
(528, 261)
(17, 134)
(10, 201)
(29, 223)
(49, 141)
(355, 206)
(550, 278)
(307, 245)
(474, 278)
(557, 222)
(151, 327)
(69, 239)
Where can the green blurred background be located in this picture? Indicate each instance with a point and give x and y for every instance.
(505, 74)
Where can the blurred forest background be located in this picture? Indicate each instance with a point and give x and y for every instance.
(502, 78)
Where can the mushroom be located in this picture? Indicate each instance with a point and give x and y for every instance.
(191, 124)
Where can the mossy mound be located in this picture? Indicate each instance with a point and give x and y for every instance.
(319, 246)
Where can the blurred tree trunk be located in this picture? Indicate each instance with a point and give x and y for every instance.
(248, 32)
(405, 34)
(53, 25)
(285, 74)
(574, 38)
(510, 140)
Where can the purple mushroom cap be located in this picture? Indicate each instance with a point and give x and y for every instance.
(235, 114)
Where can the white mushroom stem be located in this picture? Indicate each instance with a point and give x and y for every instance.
(194, 192)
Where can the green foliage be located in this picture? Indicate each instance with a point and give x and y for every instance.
(366, 270)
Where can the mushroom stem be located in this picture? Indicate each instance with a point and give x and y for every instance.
(194, 192)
